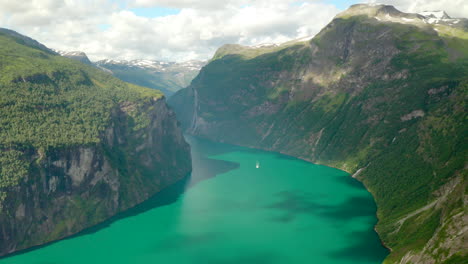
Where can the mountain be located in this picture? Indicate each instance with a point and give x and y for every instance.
(24, 40)
(168, 77)
(378, 93)
(77, 145)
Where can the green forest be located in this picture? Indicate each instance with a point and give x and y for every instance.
(48, 101)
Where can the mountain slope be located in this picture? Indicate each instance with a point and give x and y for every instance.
(379, 93)
(76, 144)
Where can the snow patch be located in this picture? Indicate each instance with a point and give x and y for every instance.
(265, 45)
(437, 17)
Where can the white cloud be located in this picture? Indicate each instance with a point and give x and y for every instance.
(194, 33)
(206, 4)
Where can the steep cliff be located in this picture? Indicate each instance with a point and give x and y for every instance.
(379, 93)
(76, 145)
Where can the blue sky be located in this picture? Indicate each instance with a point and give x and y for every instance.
(342, 4)
(152, 12)
(180, 30)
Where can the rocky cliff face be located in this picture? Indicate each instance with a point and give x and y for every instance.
(70, 189)
(378, 93)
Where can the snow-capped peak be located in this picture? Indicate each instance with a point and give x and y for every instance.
(70, 53)
(435, 14)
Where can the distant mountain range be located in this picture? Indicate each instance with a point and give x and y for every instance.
(168, 77)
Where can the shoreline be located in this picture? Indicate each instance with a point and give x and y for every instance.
(98, 226)
(316, 163)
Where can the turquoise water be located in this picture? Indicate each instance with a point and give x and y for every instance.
(229, 211)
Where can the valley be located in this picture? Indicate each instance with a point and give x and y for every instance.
(348, 146)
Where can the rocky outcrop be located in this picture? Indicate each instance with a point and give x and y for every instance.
(69, 189)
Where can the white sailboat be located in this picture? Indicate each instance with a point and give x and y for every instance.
(257, 165)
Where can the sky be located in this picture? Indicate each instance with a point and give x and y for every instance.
(180, 30)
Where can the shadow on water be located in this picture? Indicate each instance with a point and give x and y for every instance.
(210, 148)
(373, 252)
(294, 204)
(351, 182)
(356, 206)
(203, 168)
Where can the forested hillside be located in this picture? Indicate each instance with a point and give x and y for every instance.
(76, 144)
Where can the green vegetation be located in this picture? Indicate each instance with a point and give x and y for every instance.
(247, 53)
(50, 101)
(47, 101)
(12, 168)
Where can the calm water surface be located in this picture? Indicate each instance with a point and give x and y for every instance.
(229, 211)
